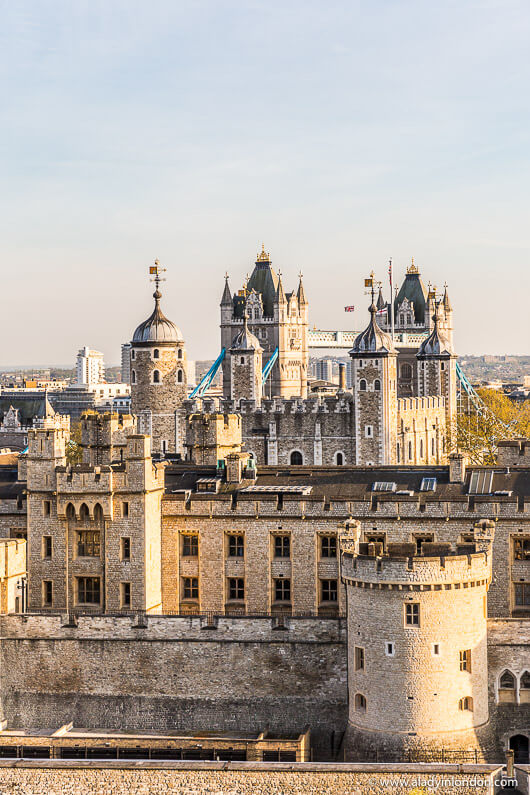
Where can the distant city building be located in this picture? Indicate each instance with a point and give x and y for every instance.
(126, 362)
(324, 370)
(90, 368)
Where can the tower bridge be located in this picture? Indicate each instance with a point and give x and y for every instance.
(317, 338)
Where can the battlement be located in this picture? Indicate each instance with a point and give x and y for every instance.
(416, 404)
(420, 572)
(72, 480)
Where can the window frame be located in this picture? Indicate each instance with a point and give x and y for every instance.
(329, 586)
(235, 545)
(190, 545)
(236, 590)
(413, 614)
(95, 587)
(282, 584)
(281, 540)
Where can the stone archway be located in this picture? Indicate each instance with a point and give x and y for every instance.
(519, 745)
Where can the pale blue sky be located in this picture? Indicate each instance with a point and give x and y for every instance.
(337, 133)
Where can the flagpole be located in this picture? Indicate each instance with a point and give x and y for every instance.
(391, 297)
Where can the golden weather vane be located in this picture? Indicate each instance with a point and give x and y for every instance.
(155, 270)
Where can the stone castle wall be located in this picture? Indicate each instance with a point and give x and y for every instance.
(176, 674)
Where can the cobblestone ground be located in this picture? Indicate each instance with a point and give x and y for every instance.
(147, 782)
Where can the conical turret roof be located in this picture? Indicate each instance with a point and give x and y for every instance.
(436, 344)
(373, 339)
(157, 328)
(245, 339)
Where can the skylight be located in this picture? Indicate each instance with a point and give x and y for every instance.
(428, 484)
(384, 485)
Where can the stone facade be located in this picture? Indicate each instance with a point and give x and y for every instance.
(94, 530)
(12, 572)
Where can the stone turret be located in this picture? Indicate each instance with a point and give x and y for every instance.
(158, 378)
(374, 387)
(245, 365)
(417, 646)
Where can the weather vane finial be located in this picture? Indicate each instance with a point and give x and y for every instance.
(155, 270)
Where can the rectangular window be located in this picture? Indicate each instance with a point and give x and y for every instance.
(190, 546)
(190, 587)
(125, 595)
(236, 588)
(522, 594)
(46, 508)
(390, 649)
(282, 590)
(465, 660)
(369, 431)
(329, 590)
(436, 649)
(125, 509)
(376, 538)
(88, 590)
(412, 614)
(521, 548)
(236, 546)
(88, 544)
(328, 546)
(46, 546)
(47, 593)
(125, 548)
(282, 546)
(420, 540)
(358, 659)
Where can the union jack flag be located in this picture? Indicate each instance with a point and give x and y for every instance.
(349, 308)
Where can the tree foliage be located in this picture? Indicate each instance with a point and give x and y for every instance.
(74, 452)
(477, 433)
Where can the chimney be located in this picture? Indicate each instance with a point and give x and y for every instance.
(342, 376)
(457, 468)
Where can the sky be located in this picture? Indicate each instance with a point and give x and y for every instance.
(336, 133)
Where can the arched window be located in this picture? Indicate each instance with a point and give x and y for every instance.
(406, 371)
(432, 446)
(83, 513)
(180, 377)
(442, 366)
(156, 354)
(156, 376)
(98, 513)
(133, 376)
(524, 684)
(507, 681)
(179, 354)
(242, 360)
(410, 451)
(70, 511)
(133, 354)
(402, 320)
(421, 448)
(466, 704)
(362, 385)
(297, 458)
(360, 702)
(519, 746)
(339, 459)
(507, 684)
(377, 385)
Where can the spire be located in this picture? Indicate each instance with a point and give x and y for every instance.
(302, 300)
(380, 300)
(447, 303)
(226, 300)
(436, 343)
(373, 339)
(280, 293)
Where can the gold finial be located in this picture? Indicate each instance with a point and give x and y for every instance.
(263, 256)
(412, 268)
(155, 270)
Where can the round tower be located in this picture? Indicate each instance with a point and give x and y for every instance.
(245, 365)
(159, 379)
(374, 377)
(417, 648)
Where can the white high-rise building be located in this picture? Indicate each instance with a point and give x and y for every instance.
(90, 367)
(126, 363)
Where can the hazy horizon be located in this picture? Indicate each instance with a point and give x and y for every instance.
(338, 135)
